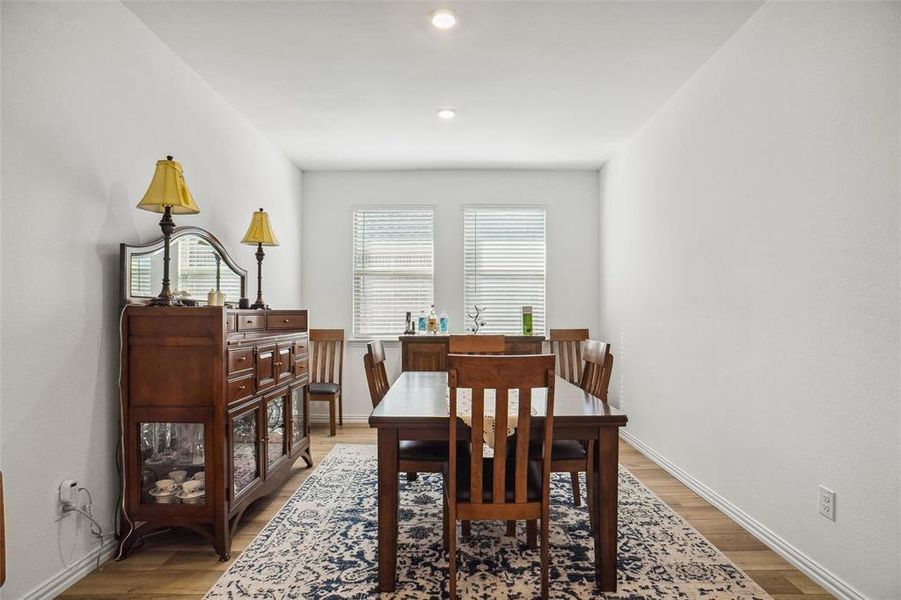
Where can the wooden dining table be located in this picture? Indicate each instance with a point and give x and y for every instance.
(415, 408)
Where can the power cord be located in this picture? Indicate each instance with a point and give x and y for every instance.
(96, 528)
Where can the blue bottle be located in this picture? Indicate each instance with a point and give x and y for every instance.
(422, 322)
(442, 323)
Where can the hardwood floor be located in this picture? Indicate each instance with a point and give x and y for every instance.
(180, 565)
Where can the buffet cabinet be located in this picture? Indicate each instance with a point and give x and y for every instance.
(427, 352)
(214, 413)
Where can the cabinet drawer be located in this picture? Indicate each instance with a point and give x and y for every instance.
(231, 322)
(240, 359)
(251, 322)
(301, 348)
(240, 388)
(300, 368)
(287, 321)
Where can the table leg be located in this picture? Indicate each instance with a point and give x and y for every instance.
(388, 490)
(606, 491)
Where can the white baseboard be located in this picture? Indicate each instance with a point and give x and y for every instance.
(60, 582)
(817, 572)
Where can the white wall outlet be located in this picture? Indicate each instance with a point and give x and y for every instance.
(826, 502)
(68, 493)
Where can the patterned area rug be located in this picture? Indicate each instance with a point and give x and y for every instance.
(322, 544)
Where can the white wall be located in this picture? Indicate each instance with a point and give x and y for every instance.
(91, 99)
(328, 202)
(750, 260)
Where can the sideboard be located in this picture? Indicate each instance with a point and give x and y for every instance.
(214, 395)
(428, 352)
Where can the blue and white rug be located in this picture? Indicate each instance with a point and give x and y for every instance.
(322, 545)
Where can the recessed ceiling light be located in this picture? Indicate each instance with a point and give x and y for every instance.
(443, 18)
(447, 113)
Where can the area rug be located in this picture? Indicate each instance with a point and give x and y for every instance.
(323, 544)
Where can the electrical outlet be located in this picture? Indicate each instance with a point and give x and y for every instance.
(68, 493)
(826, 502)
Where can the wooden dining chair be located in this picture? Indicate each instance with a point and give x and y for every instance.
(566, 344)
(503, 487)
(476, 344)
(326, 372)
(598, 367)
(414, 456)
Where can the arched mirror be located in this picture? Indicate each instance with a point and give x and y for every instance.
(198, 263)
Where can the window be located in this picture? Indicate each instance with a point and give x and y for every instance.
(504, 266)
(393, 268)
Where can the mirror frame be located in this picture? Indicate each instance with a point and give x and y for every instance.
(126, 251)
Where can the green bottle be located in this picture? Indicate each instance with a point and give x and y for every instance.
(527, 320)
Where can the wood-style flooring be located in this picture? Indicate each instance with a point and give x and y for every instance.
(179, 565)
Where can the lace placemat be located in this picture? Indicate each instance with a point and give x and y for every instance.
(464, 412)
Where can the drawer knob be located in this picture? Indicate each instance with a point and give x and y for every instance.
(287, 321)
(243, 359)
(242, 387)
(250, 321)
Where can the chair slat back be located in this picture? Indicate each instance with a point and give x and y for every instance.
(326, 355)
(566, 344)
(476, 344)
(595, 355)
(501, 374)
(376, 374)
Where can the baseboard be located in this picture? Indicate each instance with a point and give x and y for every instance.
(63, 580)
(352, 419)
(817, 572)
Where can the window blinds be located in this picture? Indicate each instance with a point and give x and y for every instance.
(504, 266)
(393, 270)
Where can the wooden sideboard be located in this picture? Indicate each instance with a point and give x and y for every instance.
(214, 391)
(426, 352)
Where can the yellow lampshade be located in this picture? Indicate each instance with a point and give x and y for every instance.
(168, 188)
(260, 231)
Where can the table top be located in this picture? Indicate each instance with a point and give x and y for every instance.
(419, 398)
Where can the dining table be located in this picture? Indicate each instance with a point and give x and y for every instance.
(415, 408)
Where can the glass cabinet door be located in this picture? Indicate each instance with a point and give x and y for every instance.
(276, 448)
(298, 416)
(173, 459)
(245, 449)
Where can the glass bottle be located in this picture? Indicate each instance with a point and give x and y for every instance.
(433, 321)
(422, 322)
(527, 320)
(442, 323)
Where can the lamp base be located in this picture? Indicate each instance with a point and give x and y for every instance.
(259, 305)
(164, 301)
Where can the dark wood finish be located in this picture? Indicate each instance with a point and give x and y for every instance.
(501, 374)
(327, 366)
(566, 344)
(126, 251)
(595, 355)
(259, 303)
(415, 408)
(429, 352)
(186, 365)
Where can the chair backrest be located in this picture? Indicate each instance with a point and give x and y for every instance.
(566, 344)
(326, 355)
(595, 355)
(376, 375)
(501, 374)
(476, 344)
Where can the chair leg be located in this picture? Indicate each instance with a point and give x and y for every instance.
(467, 528)
(445, 524)
(452, 552)
(412, 476)
(331, 418)
(577, 497)
(589, 486)
(532, 534)
(340, 409)
(511, 529)
(545, 558)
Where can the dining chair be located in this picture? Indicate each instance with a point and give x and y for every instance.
(476, 344)
(566, 344)
(504, 487)
(326, 372)
(414, 456)
(598, 368)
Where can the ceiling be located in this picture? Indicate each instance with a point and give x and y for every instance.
(355, 85)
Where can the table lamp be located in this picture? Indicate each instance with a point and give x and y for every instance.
(168, 193)
(260, 233)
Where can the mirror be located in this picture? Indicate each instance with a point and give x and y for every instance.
(197, 264)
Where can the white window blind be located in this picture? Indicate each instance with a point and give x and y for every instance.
(393, 268)
(197, 269)
(504, 266)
